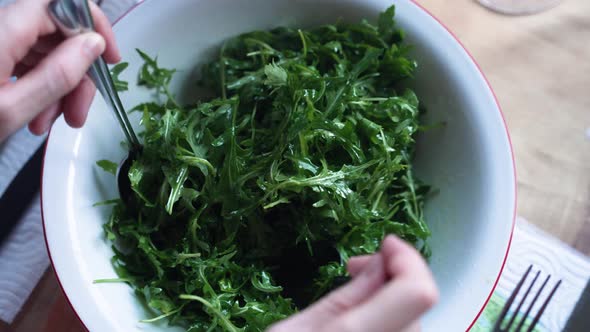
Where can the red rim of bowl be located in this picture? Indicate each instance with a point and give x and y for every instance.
(501, 115)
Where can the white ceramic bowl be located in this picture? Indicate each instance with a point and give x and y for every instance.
(469, 161)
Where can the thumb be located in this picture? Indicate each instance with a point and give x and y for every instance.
(58, 74)
(329, 308)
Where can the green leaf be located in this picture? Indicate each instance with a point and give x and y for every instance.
(275, 75)
(386, 22)
(247, 205)
(176, 180)
(263, 283)
(120, 85)
(108, 166)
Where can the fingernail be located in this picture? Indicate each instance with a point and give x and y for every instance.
(94, 45)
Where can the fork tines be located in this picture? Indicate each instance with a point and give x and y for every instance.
(505, 323)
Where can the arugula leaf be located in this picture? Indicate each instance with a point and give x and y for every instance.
(120, 85)
(275, 75)
(108, 166)
(249, 204)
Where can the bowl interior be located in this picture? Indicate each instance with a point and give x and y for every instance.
(467, 159)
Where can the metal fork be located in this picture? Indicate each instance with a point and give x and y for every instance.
(505, 324)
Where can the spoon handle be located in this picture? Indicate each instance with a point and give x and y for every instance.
(100, 75)
(73, 17)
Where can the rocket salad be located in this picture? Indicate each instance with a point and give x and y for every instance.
(248, 205)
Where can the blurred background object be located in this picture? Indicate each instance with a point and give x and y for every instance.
(519, 7)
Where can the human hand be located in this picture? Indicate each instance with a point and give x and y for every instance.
(389, 291)
(51, 70)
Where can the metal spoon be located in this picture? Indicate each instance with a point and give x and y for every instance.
(73, 17)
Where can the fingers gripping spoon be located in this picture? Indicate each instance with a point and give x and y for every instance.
(73, 17)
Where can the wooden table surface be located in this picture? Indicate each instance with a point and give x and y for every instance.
(540, 70)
